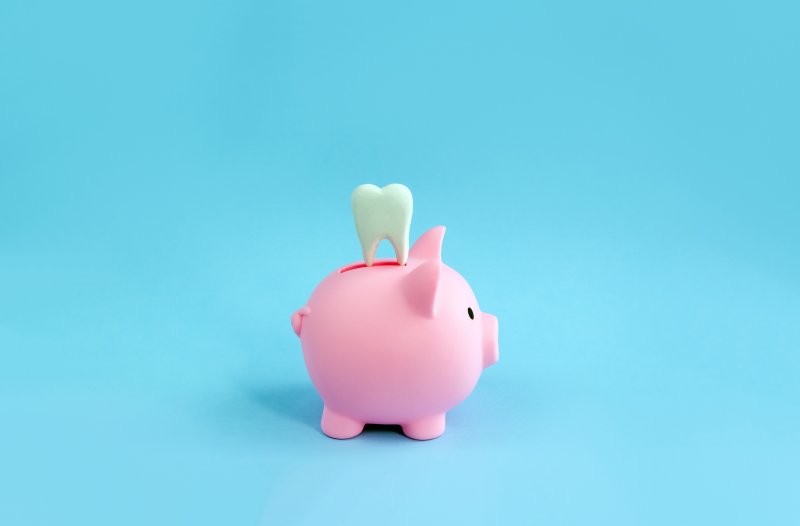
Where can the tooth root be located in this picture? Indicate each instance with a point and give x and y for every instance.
(368, 249)
(400, 247)
(383, 213)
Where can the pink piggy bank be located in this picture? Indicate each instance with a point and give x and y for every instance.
(395, 344)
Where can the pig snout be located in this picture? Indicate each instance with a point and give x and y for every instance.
(491, 352)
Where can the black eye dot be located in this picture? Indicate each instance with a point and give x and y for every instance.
(471, 314)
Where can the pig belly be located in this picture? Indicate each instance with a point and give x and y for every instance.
(389, 386)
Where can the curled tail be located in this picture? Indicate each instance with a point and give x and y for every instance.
(297, 318)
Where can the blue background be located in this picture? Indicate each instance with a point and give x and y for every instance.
(620, 187)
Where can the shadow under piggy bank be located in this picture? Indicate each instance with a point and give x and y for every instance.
(296, 402)
(302, 404)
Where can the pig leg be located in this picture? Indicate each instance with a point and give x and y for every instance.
(425, 428)
(336, 425)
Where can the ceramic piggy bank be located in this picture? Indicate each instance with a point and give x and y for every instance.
(394, 343)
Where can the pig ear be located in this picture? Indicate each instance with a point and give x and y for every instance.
(429, 245)
(421, 287)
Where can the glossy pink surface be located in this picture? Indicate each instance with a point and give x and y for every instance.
(391, 344)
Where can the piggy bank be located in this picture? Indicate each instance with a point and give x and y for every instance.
(395, 344)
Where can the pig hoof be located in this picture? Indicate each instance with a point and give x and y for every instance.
(426, 428)
(336, 425)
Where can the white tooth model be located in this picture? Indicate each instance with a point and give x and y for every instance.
(383, 213)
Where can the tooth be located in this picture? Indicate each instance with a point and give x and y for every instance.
(383, 213)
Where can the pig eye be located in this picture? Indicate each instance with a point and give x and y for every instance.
(470, 313)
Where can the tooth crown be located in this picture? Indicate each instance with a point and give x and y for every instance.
(383, 213)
